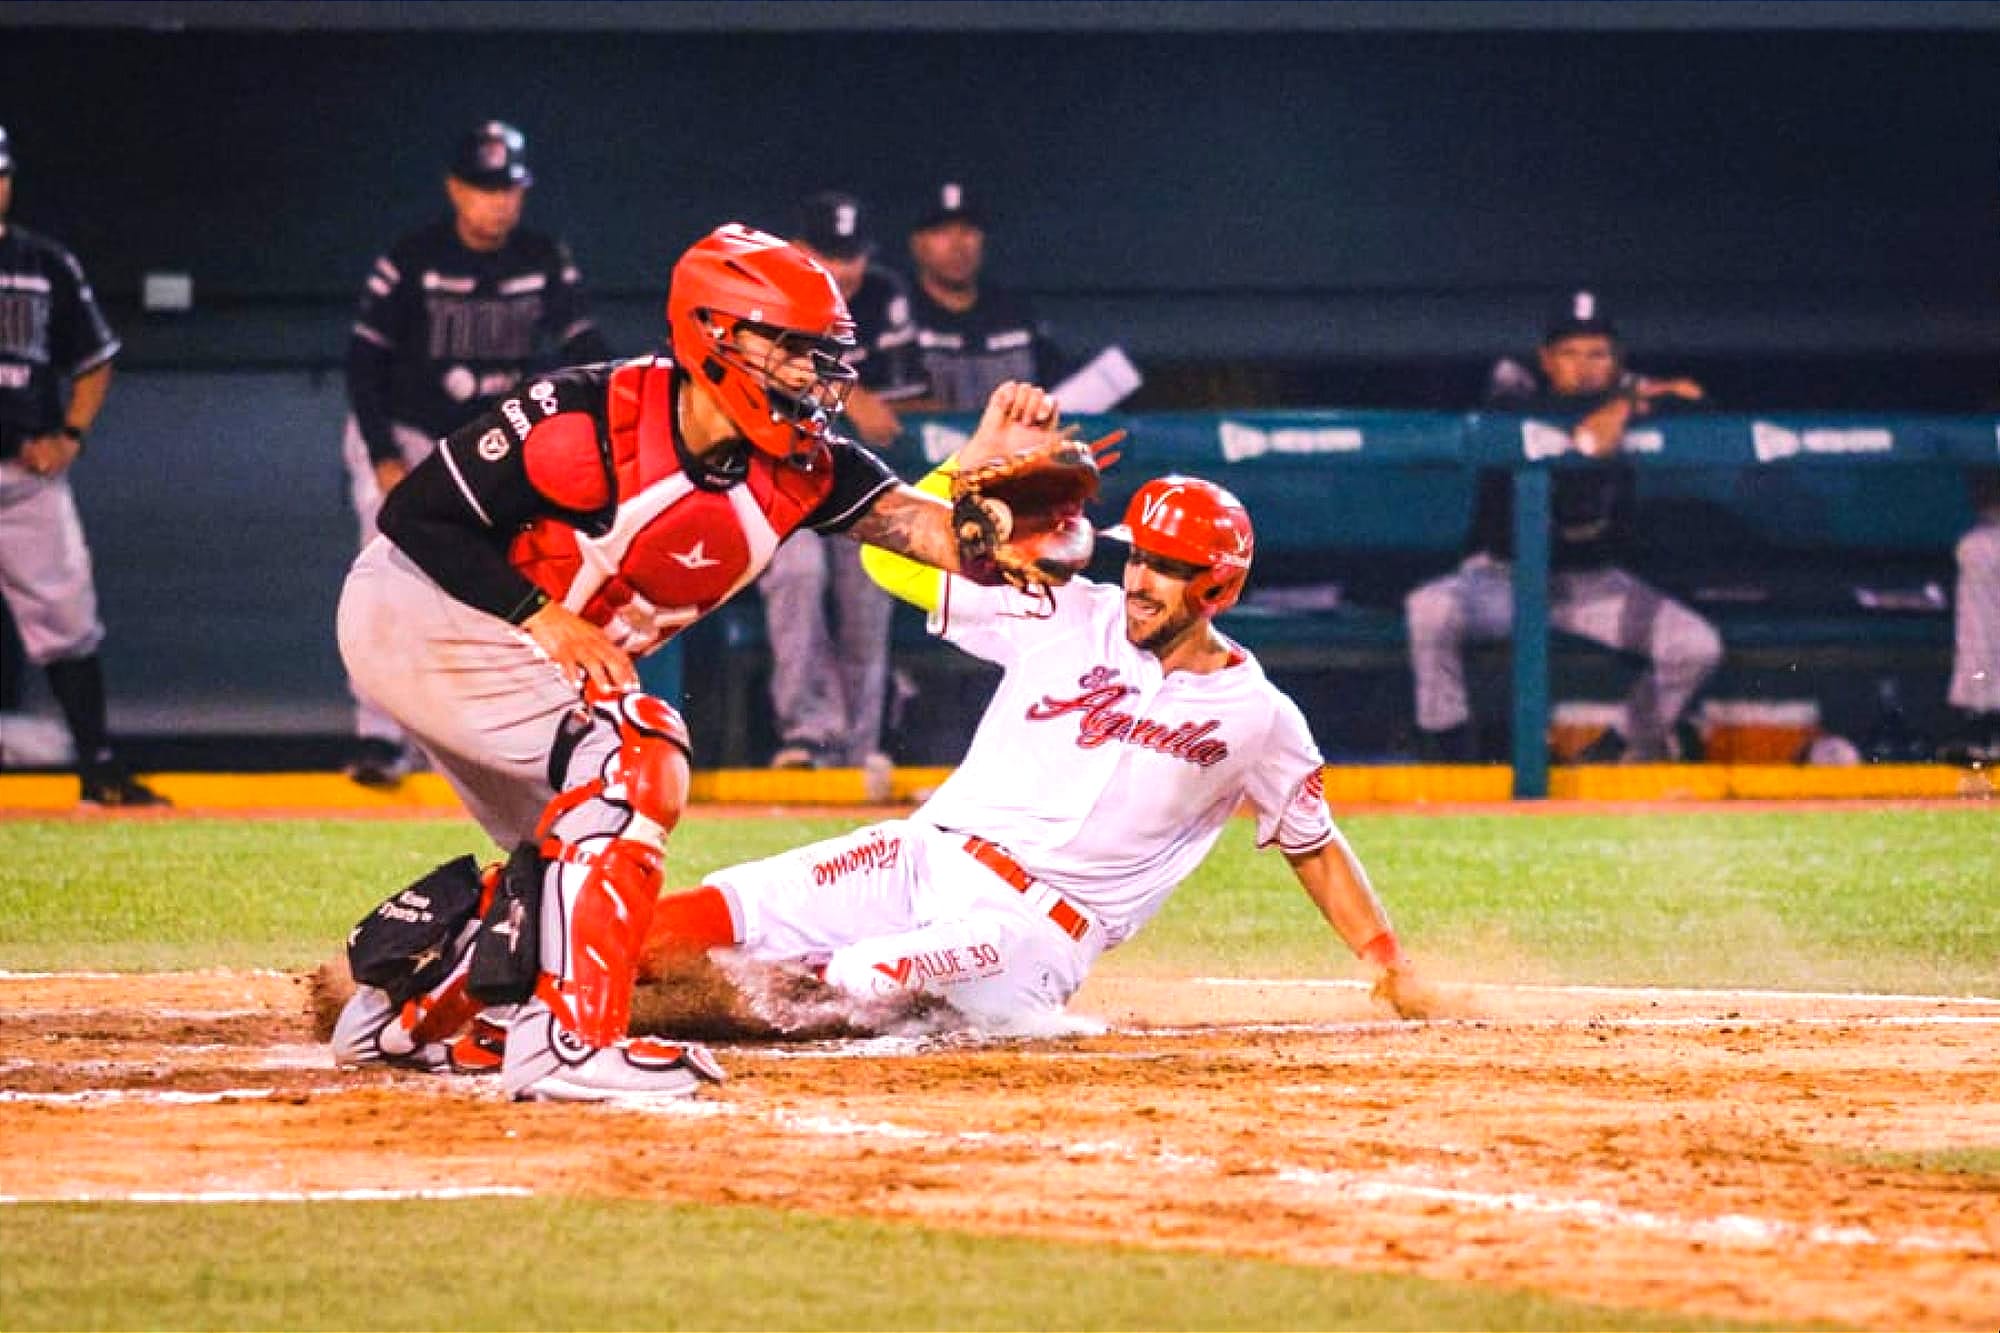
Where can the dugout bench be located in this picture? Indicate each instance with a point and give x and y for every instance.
(1819, 545)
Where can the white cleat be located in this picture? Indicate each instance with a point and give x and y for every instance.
(546, 1062)
(371, 1030)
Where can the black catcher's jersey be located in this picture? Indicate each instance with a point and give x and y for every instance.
(50, 331)
(444, 331)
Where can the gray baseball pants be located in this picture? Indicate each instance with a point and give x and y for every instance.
(1975, 662)
(827, 684)
(370, 722)
(1607, 606)
(45, 571)
(474, 691)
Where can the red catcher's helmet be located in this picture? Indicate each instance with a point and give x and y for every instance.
(737, 275)
(1197, 523)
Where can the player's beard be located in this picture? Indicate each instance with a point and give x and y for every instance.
(1174, 625)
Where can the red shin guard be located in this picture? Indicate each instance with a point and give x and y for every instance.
(607, 883)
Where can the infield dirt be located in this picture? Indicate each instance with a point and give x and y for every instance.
(1701, 1153)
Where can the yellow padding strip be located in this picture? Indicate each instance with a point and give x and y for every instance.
(244, 791)
(1418, 785)
(1363, 785)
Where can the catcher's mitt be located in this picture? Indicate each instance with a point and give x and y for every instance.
(1019, 517)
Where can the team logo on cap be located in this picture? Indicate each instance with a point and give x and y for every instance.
(953, 196)
(493, 155)
(844, 220)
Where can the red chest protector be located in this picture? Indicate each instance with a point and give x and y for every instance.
(677, 549)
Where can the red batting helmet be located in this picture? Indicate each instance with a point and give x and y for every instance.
(737, 275)
(1197, 523)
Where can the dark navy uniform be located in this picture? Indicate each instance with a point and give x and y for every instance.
(51, 332)
(966, 355)
(443, 332)
(52, 336)
(886, 358)
(1591, 504)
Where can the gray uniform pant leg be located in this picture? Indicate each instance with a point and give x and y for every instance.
(1623, 611)
(45, 569)
(371, 722)
(1975, 661)
(862, 642)
(475, 692)
(1611, 607)
(805, 685)
(1472, 605)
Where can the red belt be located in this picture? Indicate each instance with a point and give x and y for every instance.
(1070, 921)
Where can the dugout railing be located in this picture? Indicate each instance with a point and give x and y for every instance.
(1819, 544)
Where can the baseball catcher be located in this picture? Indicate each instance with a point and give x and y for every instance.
(586, 519)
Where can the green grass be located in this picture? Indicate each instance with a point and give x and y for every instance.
(1880, 900)
(618, 1265)
(167, 895)
(1900, 900)
(1868, 899)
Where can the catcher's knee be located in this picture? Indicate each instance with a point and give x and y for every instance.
(641, 767)
(652, 756)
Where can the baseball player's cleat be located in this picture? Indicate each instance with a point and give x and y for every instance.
(380, 764)
(547, 1063)
(114, 787)
(480, 1050)
(373, 1030)
(798, 755)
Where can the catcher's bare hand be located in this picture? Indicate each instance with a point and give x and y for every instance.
(580, 650)
(1401, 989)
(1018, 416)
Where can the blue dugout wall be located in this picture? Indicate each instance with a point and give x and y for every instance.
(221, 529)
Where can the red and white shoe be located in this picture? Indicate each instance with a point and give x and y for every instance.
(547, 1062)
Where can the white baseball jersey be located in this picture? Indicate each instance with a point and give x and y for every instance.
(1104, 776)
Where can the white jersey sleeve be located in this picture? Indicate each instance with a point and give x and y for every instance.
(994, 623)
(1285, 788)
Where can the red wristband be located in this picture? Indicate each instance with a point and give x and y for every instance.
(1383, 951)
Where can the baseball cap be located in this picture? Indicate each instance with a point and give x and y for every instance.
(835, 225)
(951, 202)
(6, 154)
(1582, 314)
(492, 156)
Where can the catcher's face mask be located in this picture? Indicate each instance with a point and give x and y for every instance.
(806, 378)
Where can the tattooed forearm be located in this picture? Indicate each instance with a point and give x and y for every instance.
(910, 523)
